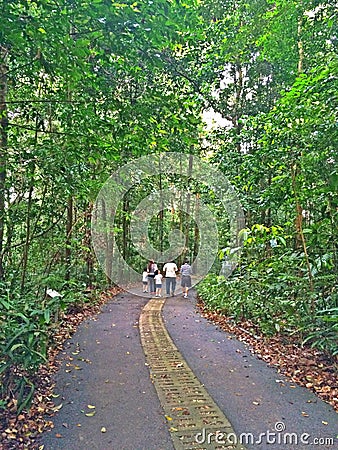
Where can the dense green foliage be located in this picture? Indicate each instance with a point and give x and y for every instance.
(283, 159)
(88, 86)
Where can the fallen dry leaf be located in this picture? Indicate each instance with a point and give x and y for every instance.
(301, 364)
(56, 408)
(30, 423)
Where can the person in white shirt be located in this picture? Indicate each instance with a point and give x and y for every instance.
(170, 270)
(145, 280)
(158, 283)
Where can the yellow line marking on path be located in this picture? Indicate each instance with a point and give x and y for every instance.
(194, 419)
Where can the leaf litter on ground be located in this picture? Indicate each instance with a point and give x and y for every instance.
(21, 431)
(303, 365)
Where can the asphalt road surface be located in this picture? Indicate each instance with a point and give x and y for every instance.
(109, 402)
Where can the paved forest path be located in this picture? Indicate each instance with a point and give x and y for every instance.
(155, 375)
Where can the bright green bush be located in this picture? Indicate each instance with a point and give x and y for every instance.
(276, 298)
(27, 322)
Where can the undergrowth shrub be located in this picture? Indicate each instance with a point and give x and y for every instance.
(277, 299)
(27, 323)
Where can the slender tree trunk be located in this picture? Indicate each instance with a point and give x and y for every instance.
(295, 165)
(29, 215)
(295, 169)
(161, 213)
(125, 228)
(334, 231)
(300, 46)
(239, 82)
(88, 245)
(180, 215)
(105, 238)
(3, 152)
(188, 212)
(196, 230)
(69, 226)
(126, 232)
(299, 228)
(110, 247)
(27, 240)
(108, 242)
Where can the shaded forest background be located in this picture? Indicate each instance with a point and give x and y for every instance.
(88, 86)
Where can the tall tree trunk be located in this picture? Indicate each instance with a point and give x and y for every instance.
(295, 165)
(3, 152)
(126, 232)
(70, 204)
(161, 213)
(295, 170)
(69, 226)
(88, 245)
(300, 45)
(299, 228)
(237, 111)
(25, 255)
(188, 212)
(125, 228)
(27, 239)
(108, 241)
(110, 247)
(196, 230)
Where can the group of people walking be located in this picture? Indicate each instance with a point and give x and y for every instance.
(152, 278)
